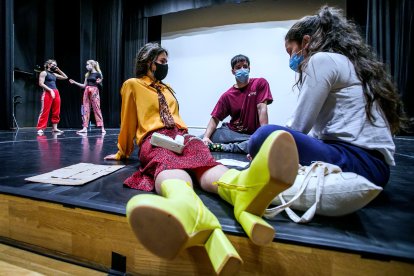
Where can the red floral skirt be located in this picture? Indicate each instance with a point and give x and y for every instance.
(155, 159)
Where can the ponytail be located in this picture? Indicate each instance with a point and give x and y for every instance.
(330, 31)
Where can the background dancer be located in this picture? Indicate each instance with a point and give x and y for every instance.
(93, 78)
(50, 97)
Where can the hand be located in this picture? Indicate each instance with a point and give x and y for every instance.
(111, 157)
(52, 93)
(71, 81)
(207, 141)
(98, 80)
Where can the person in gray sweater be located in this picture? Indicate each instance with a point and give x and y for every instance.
(348, 108)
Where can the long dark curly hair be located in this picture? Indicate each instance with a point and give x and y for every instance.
(330, 31)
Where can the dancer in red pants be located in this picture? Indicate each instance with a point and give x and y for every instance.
(91, 95)
(50, 97)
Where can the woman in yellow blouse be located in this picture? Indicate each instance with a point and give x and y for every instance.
(178, 219)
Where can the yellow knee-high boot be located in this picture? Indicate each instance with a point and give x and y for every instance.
(178, 219)
(250, 191)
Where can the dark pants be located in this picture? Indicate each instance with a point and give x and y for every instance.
(231, 141)
(368, 163)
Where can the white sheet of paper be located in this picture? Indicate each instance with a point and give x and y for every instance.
(232, 162)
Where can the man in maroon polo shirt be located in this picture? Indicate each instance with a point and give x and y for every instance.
(246, 104)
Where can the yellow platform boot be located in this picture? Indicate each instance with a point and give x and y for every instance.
(250, 191)
(178, 219)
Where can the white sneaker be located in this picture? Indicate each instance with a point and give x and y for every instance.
(40, 132)
(57, 130)
(83, 130)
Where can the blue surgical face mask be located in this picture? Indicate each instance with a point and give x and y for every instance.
(242, 75)
(295, 60)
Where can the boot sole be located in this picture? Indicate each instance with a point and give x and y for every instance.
(158, 231)
(283, 162)
(162, 233)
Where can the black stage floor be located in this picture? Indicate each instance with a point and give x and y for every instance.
(382, 230)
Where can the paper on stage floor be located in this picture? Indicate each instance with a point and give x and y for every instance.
(234, 163)
(77, 174)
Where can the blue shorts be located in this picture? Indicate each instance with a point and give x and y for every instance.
(350, 158)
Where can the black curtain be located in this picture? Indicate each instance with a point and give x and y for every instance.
(108, 53)
(390, 31)
(135, 34)
(6, 63)
(67, 54)
(87, 35)
(33, 43)
(90, 30)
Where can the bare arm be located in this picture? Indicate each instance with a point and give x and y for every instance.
(262, 112)
(81, 85)
(60, 74)
(211, 127)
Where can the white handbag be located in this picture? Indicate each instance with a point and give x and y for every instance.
(323, 189)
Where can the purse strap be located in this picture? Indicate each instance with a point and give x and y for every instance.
(318, 169)
(310, 213)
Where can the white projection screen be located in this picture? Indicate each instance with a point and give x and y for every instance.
(200, 70)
